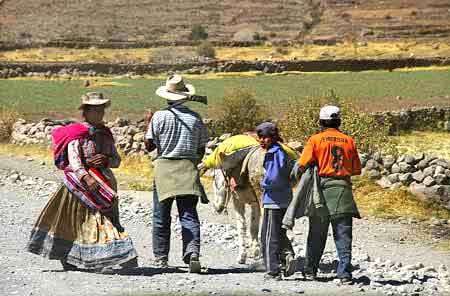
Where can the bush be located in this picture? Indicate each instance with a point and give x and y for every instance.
(198, 32)
(239, 112)
(7, 119)
(205, 49)
(300, 120)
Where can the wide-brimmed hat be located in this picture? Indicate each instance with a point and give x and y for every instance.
(175, 89)
(94, 99)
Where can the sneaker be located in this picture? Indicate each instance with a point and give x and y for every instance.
(272, 276)
(194, 264)
(161, 262)
(290, 265)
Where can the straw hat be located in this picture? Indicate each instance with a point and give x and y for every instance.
(94, 99)
(175, 89)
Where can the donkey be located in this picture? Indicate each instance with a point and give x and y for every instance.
(249, 173)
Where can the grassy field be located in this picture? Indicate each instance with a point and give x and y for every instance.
(379, 90)
(396, 49)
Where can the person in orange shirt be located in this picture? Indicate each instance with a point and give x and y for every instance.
(337, 159)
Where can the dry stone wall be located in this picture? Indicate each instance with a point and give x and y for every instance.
(416, 119)
(427, 176)
(205, 65)
(129, 135)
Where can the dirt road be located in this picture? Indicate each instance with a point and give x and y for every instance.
(390, 258)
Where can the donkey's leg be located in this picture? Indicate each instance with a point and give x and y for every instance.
(241, 229)
(255, 217)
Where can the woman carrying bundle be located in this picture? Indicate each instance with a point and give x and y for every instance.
(80, 224)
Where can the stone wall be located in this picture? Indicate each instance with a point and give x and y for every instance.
(129, 135)
(416, 119)
(64, 70)
(426, 176)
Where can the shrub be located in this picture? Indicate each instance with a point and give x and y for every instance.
(205, 49)
(239, 112)
(198, 32)
(7, 119)
(300, 120)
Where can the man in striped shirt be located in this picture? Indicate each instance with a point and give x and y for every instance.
(179, 136)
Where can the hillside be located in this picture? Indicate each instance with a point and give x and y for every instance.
(24, 22)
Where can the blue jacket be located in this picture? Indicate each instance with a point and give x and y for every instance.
(277, 190)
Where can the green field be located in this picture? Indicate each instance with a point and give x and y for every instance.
(380, 90)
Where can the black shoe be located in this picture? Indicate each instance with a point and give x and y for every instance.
(310, 276)
(194, 264)
(161, 262)
(290, 265)
(346, 280)
(272, 276)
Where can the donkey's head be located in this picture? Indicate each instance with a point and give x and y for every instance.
(220, 191)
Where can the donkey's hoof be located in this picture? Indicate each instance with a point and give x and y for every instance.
(255, 253)
(242, 258)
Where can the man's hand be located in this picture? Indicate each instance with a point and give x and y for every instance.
(99, 160)
(148, 118)
(149, 145)
(296, 173)
(90, 182)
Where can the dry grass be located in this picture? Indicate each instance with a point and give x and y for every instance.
(38, 152)
(338, 51)
(134, 173)
(7, 119)
(395, 49)
(372, 200)
(443, 245)
(435, 143)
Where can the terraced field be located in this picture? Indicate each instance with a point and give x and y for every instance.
(37, 21)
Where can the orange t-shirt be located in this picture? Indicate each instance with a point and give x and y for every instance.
(334, 152)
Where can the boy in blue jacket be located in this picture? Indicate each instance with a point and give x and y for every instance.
(277, 251)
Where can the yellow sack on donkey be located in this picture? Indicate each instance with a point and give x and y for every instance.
(228, 146)
(235, 143)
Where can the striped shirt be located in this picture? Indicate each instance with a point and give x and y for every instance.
(178, 133)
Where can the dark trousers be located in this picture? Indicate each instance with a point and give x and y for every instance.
(190, 225)
(317, 238)
(275, 244)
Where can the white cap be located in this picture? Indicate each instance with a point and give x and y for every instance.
(330, 112)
